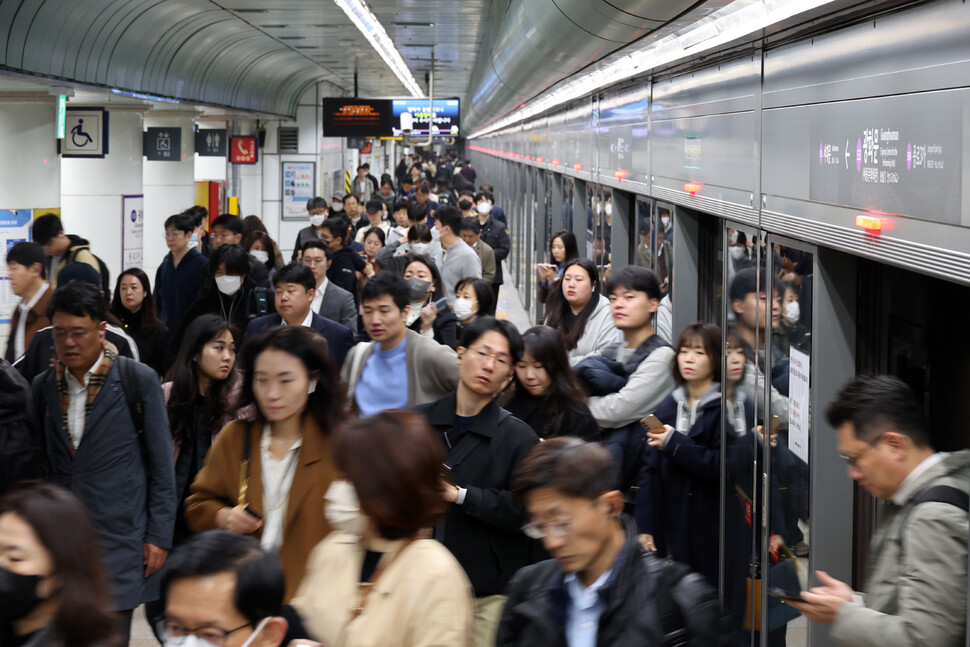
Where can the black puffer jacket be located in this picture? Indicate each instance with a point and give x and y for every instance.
(649, 602)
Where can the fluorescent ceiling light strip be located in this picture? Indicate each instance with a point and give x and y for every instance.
(374, 32)
(736, 20)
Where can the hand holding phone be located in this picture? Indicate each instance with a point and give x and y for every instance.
(652, 423)
(787, 596)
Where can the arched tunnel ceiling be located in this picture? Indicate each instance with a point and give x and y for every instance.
(261, 55)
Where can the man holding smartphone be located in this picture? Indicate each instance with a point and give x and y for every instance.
(916, 591)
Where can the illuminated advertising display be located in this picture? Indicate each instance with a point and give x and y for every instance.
(346, 117)
(445, 117)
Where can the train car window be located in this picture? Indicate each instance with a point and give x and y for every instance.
(643, 242)
(663, 245)
(567, 203)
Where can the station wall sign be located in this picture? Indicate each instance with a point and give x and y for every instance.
(211, 142)
(162, 144)
(85, 133)
(243, 150)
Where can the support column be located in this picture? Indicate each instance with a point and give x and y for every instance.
(169, 188)
(91, 189)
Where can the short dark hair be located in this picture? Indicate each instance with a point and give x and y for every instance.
(420, 233)
(295, 272)
(872, 403)
(393, 459)
(470, 192)
(373, 206)
(386, 283)
(235, 258)
(481, 325)
(471, 224)
(260, 582)
(46, 227)
(80, 299)
(417, 211)
(486, 195)
(182, 222)
(387, 182)
(709, 336)
(198, 213)
(424, 188)
(568, 465)
(401, 204)
(406, 180)
(638, 279)
(449, 217)
(316, 202)
(351, 196)
(744, 283)
(338, 226)
(230, 222)
(26, 254)
(317, 244)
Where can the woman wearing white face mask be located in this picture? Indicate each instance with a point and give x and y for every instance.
(474, 298)
(265, 477)
(790, 330)
(379, 579)
(230, 292)
(260, 246)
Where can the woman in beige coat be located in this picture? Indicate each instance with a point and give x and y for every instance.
(378, 580)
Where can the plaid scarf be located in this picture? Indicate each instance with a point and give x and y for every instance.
(95, 383)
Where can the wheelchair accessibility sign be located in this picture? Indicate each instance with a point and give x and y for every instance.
(85, 133)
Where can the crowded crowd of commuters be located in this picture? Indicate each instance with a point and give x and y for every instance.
(350, 448)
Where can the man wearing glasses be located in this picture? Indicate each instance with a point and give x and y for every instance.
(916, 591)
(123, 474)
(330, 301)
(484, 445)
(221, 589)
(601, 587)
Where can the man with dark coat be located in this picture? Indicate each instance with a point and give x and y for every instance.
(484, 446)
(179, 278)
(601, 588)
(495, 235)
(123, 475)
(20, 454)
(295, 288)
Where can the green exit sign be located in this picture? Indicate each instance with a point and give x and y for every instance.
(61, 115)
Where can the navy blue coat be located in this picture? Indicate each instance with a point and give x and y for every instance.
(679, 497)
(125, 481)
(176, 288)
(339, 338)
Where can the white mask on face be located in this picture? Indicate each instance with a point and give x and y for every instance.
(337, 206)
(420, 248)
(484, 208)
(317, 220)
(792, 313)
(734, 237)
(342, 508)
(260, 255)
(464, 308)
(229, 285)
(665, 220)
(736, 253)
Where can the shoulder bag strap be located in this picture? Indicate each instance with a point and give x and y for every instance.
(243, 497)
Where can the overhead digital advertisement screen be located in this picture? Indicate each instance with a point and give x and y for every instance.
(347, 117)
(445, 117)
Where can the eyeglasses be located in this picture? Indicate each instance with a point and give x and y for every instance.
(313, 261)
(852, 461)
(75, 334)
(175, 634)
(558, 529)
(503, 361)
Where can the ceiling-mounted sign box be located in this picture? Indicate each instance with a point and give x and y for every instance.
(211, 142)
(162, 144)
(344, 117)
(243, 150)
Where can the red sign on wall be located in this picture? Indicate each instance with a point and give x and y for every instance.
(243, 150)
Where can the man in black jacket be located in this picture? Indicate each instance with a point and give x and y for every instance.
(484, 445)
(496, 235)
(601, 587)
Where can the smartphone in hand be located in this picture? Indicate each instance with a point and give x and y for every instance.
(788, 596)
(441, 303)
(252, 513)
(652, 423)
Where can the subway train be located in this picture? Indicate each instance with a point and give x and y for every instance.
(825, 142)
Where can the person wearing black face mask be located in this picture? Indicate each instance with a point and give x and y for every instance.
(425, 317)
(53, 588)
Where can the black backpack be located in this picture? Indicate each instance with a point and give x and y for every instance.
(21, 457)
(102, 269)
(688, 605)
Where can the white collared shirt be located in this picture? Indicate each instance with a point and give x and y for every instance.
(318, 295)
(277, 481)
(19, 345)
(306, 322)
(918, 471)
(78, 394)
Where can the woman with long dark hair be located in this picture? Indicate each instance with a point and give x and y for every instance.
(547, 395)
(55, 590)
(133, 305)
(473, 298)
(580, 312)
(425, 317)
(562, 249)
(266, 477)
(252, 225)
(260, 246)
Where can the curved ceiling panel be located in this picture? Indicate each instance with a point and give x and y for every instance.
(188, 50)
(540, 42)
